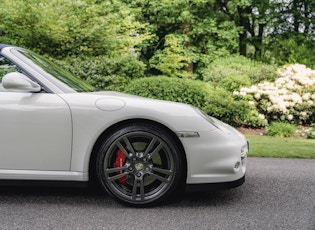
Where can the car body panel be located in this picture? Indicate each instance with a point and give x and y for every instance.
(36, 132)
(84, 111)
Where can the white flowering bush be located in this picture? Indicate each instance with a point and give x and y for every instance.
(289, 98)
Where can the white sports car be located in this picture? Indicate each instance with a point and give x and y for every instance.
(141, 151)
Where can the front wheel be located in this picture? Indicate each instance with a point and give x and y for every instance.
(139, 164)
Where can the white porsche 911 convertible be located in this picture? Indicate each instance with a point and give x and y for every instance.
(141, 151)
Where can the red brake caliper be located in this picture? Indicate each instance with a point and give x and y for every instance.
(120, 161)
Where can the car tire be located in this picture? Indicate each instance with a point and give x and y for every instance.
(139, 164)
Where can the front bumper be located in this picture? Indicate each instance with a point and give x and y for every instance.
(214, 186)
(216, 157)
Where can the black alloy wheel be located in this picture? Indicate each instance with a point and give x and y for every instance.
(139, 164)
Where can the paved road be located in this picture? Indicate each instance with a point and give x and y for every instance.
(278, 194)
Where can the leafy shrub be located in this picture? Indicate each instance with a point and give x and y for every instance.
(293, 49)
(105, 72)
(221, 104)
(173, 58)
(238, 66)
(281, 129)
(311, 133)
(234, 82)
(171, 89)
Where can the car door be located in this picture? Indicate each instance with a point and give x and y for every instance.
(35, 129)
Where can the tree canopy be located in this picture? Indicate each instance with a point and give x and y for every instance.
(176, 38)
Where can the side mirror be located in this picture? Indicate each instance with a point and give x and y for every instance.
(18, 82)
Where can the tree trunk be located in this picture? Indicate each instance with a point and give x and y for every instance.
(189, 67)
(258, 43)
(245, 24)
(296, 16)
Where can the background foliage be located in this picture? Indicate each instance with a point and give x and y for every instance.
(112, 72)
(203, 49)
(280, 129)
(237, 65)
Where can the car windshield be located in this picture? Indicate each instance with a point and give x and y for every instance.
(65, 78)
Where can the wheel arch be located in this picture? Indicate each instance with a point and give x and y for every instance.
(112, 128)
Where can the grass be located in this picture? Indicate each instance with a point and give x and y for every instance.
(264, 146)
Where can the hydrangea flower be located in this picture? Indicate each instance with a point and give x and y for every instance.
(290, 97)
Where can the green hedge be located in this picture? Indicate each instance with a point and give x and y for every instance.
(221, 104)
(234, 82)
(238, 65)
(170, 89)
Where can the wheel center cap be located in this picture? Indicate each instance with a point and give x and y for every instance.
(139, 166)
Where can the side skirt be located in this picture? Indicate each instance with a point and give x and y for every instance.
(44, 184)
(6, 174)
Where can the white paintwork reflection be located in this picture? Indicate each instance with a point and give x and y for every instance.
(35, 131)
(18, 82)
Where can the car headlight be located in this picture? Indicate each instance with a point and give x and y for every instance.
(207, 117)
(216, 123)
(219, 124)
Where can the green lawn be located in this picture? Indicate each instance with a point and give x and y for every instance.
(264, 146)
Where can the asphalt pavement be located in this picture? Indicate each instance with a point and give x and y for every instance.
(277, 194)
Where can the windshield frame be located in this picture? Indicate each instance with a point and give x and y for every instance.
(52, 72)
